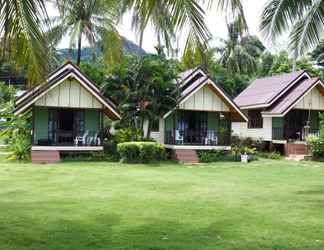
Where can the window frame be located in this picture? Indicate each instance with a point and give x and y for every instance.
(255, 119)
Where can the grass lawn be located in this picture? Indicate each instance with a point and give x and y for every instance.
(264, 205)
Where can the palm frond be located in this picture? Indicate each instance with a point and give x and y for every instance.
(279, 15)
(306, 32)
(22, 23)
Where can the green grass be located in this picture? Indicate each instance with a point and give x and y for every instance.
(263, 205)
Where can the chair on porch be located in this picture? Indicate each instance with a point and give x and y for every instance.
(178, 137)
(211, 138)
(83, 140)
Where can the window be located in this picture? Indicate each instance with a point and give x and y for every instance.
(255, 119)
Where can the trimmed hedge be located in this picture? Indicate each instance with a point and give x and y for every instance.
(141, 152)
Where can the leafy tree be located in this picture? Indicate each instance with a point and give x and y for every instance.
(233, 84)
(303, 19)
(144, 88)
(16, 132)
(195, 57)
(265, 65)
(318, 53)
(96, 71)
(6, 93)
(283, 64)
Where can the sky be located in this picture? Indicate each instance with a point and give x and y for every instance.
(215, 20)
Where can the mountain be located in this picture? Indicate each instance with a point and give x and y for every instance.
(129, 48)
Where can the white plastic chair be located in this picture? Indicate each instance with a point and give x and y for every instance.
(212, 137)
(179, 138)
(84, 138)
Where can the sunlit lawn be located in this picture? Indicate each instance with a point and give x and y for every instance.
(264, 205)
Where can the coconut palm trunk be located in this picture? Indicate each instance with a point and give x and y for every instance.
(79, 49)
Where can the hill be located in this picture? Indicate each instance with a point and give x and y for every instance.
(129, 48)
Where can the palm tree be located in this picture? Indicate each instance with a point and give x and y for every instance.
(304, 19)
(238, 54)
(143, 88)
(22, 35)
(158, 15)
(93, 20)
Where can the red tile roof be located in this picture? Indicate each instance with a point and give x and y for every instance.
(293, 96)
(264, 90)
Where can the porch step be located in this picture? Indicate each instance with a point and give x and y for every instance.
(188, 156)
(296, 149)
(45, 157)
(296, 157)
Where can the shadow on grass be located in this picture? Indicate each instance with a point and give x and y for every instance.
(108, 231)
(317, 190)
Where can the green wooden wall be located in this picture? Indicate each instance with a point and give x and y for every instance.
(40, 123)
(277, 128)
(41, 116)
(91, 118)
(314, 121)
(277, 122)
(213, 121)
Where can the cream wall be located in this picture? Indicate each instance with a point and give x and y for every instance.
(314, 100)
(241, 129)
(204, 99)
(69, 94)
(154, 134)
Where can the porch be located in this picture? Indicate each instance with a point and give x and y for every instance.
(295, 126)
(67, 129)
(195, 129)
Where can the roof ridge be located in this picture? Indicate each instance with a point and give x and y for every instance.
(282, 74)
(264, 91)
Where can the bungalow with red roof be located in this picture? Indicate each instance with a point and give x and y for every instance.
(282, 110)
(201, 119)
(67, 114)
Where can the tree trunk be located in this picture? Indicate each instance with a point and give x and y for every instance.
(159, 40)
(141, 39)
(79, 49)
(148, 129)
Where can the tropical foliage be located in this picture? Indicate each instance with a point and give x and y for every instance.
(15, 132)
(303, 19)
(22, 33)
(92, 20)
(144, 88)
(317, 143)
(240, 53)
(141, 152)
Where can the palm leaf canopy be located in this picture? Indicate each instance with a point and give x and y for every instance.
(304, 20)
(22, 28)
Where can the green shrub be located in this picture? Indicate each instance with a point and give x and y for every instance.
(140, 152)
(16, 133)
(127, 135)
(19, 147)
(209, 155)
(238, 150)
(214, 156)
(316, 145)
(273, 155)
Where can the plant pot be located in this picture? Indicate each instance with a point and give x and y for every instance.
(245, 158)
